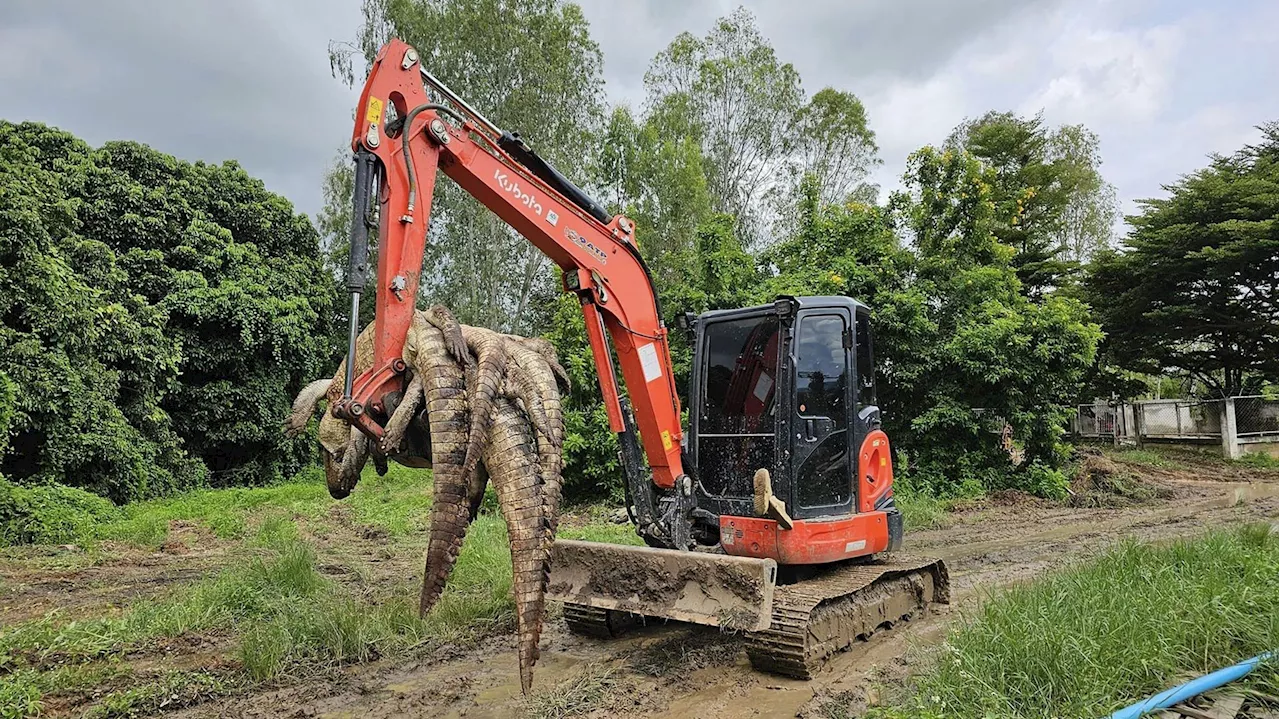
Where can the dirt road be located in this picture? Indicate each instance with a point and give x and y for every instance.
(659, 671)
(680, 671)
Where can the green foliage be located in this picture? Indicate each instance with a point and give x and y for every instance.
(959, 347)
(654, 173)
(591, 466)
(50, 514)
(728, 94)
(962, 336)
(156, 317)
(1090, 639)
(1258, 460)
(19, 699)
(1194, 289)
(1050, 203)
(172, 690)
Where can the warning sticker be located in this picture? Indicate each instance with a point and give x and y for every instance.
(666, 440)
(649, 362)
(374, 113)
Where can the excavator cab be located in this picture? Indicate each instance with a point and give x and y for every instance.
(790, 388)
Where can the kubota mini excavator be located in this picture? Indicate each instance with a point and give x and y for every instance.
(773, 515)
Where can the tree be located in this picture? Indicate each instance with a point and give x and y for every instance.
(1194, 287)
(530, 66)
(1051, 203)
(1091, 208)
(833, 145)
(655, 175)
(981, 348)
(154, 314)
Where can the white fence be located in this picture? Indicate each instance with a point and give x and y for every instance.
(1248, 420)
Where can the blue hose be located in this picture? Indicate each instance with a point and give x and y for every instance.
(1169, 697)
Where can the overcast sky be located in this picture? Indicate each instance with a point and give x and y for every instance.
(1162, 82)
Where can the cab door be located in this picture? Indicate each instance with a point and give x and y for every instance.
(822, 414)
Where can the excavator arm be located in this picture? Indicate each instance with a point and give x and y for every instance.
(402, 136)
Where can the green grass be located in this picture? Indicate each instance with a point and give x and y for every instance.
(1259, 460)
(398, 503)
(921, 511)
(172, 690)
(1147, 457)
(224, 511)
(1097, 636)
(593, 524)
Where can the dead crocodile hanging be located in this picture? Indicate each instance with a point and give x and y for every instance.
(492, 415)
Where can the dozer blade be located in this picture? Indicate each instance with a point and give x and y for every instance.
(714, 589)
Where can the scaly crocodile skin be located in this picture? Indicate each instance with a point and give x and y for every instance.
(493, 412)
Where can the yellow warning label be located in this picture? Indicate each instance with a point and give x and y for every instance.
(374, 114)
(882, 462)
(666, 440)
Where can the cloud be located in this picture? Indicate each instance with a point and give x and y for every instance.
(1162, 83)
(209, 81)
(1104, 74)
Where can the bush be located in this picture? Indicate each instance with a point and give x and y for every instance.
(156, 318)
(50, 514)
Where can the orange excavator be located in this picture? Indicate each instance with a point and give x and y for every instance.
(773, 515)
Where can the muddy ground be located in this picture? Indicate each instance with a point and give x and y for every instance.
(674, 671)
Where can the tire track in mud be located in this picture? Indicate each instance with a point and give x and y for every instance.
(708, 675)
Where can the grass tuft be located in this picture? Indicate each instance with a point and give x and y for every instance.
(1257, 460)
(1095, 637)
(921, 510)
(578, 695)
(172, 690)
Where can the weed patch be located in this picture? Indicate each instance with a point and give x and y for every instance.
(1087, 640)
(1257, 460)
(173, 690)
(578, 695)
(50, 514)
(921, 510)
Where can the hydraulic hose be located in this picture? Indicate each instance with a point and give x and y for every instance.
(404, 145)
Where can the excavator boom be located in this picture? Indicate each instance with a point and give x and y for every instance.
(402, 136)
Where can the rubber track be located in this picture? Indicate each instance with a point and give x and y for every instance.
(591, 621)
(823, 615)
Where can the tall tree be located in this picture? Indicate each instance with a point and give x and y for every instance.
(1194, 287)
(655, 174)
(833, 143)
(758, 133)
(530, 66)
(1051, 204)
(977, 341)
(1091, 209)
